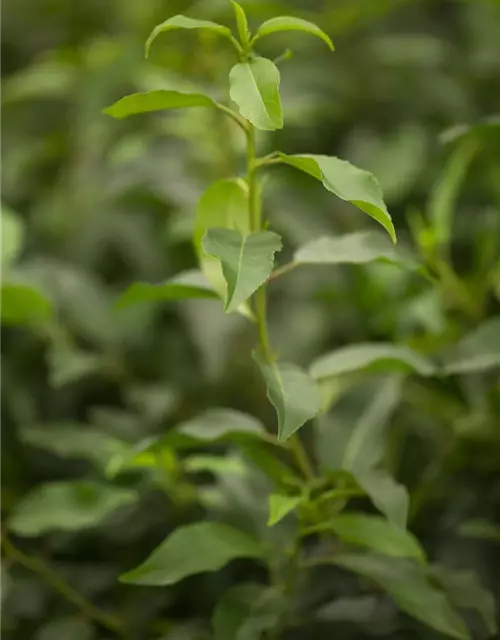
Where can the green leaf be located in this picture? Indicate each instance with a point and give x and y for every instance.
(480, 529)
(217, 424)
(281, 505)
(293, 393)
(247, 261)
(241, 23)
(390, 497)
(69, 365)
(466, 592)
(183, 22)
(246, 611)
(189, 284)
(360, 247)
(346, 181)
(75, 441)
(64, 628)
(370, 356)
(224, 205)
(254, 87)
(22, 304)
(12, 236)
(287, 23)
(376, 533)
(478, 351)
(410, 588)
(67, 506)
(195, 548)
(156, 101)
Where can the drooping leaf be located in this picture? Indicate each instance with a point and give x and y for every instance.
(22, 304)
(247, 261)
(241, 23)
(360, 247)
(254, 87)
(376, 533)
(156, 101)
(390, 497)
(346, 181)
(293, 393)
(480, 529)
(246, 611)
(370, 356)
(466, 592)
(183, 22)
(281, 505)
(224, 205)
(478, 351)
(67, 506)
(189, 284)
(12, 236)
(408, 585)
(192, 549)
(287, 23)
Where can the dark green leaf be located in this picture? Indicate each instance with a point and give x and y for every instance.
(478, 351)
(410, 588)
(287, 23)
(22, 304)
(65, 628)
(189, 284)
(247, 261)
(67, 506)
(195, 548)
(156, 101)
(293, 393)
(346, 181)
(254, 87)
(281, 505)
(183, 22)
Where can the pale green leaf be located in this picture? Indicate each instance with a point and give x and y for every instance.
(254, 87)
(478, 351)
(12, 236)
(466, 592)
(346, 181)
(287, 23)
(408, 585)
(293, 393)
(246, 611)
(247, 261)
(281, 505)
(189, 284)
(183, 22)
(376, 533)
(22, 304)
(370, 356)
(67, 506)
(156, 101)
(360, 247)
(192, 549)
(241, 23)
(224, 205)
(480, 529)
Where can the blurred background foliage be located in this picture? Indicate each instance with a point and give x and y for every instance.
(96, 204)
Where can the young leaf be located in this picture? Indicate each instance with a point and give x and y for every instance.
(360, 247)
(247, 261)
(22, 304)
(192, 549)
(466, 592)
(67, 506)
(478, 351)
(279, 506)
(225, 205)
(156, 101)
(370, 357)
(293, 393)
(254, 87)
(189, 284)
(410, 588)
(246, 611)
(287, 23)
(12, 236)
(346, 181)
(241, 23)
(183, 22)
(376, 533)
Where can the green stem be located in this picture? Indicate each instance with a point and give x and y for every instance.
(300, 454)
(280, 271)
(89, 610)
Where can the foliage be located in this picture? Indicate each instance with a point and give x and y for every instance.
(161, 274)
